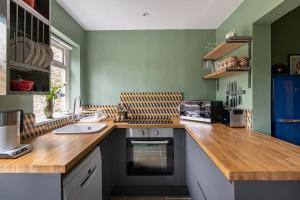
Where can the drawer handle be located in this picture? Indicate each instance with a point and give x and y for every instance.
(90, 173)
(201, 190)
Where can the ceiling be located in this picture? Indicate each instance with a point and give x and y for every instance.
(160, 14)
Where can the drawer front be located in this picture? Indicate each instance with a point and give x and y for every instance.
(209, 179)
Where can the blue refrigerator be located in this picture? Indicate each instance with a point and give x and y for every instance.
(286, 108)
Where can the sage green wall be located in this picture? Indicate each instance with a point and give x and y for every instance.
(253, 18)
(285, 37)
(73, 33)
(152, 60)
(243, 19)
(262, 77)
(67, 27)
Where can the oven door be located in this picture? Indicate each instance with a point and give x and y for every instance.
(150, 156)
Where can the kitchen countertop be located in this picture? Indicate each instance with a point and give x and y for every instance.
(239, 153)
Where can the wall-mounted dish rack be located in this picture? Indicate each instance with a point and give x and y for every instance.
(27, 54)
(226, 47)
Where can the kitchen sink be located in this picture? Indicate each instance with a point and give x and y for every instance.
(80, 129)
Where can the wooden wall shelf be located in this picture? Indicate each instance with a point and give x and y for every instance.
(227, 47)
(224, 73)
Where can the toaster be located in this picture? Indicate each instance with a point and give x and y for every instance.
(235, 118)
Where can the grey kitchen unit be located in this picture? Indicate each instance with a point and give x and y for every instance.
(206, 182)
(117, 180)
(82, 182)
(195, 174)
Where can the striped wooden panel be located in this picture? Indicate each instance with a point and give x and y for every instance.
(110, 110)
(152, 104)
(249, 119)
(31, 130)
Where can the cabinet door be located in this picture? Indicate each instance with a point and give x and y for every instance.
(85, 181)
(191, 168)
(209, 179)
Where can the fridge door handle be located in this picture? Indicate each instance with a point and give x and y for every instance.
(289, 120)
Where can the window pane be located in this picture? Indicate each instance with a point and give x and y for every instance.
(58, 54)
(58, 77)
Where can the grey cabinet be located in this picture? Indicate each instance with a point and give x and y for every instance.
(204, 179)
(206, 182)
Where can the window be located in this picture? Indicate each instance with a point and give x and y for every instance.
(59, 76)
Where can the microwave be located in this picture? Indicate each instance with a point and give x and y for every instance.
(201, 111)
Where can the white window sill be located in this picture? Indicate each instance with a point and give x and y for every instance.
(56, 116)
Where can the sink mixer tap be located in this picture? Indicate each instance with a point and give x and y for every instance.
(76, 109)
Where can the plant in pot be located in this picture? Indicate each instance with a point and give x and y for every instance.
(54, 93)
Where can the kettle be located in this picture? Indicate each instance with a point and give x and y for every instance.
(11, 125)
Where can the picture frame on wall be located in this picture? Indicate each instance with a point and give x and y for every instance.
(294, 64)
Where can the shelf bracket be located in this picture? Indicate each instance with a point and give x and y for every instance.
(250, 64)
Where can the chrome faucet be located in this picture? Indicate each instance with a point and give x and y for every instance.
(76, 109)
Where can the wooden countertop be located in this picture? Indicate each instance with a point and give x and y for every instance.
(240, 154)
(247, 155)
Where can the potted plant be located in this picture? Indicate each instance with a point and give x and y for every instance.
(54, 93)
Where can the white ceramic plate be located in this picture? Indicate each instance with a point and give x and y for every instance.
(49, 56)
(37, 54)
(43, 55)
(16, 53)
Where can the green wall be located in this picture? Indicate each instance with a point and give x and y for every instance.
(254, 18)
(285, 37)
(66, 27)
(243, 19)
(152, 60)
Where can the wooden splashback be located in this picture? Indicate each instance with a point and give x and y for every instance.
(110, 110)
(158, 105)
(33, 130)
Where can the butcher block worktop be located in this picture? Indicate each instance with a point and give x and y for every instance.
(240, 154)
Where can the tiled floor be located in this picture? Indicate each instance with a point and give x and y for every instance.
(150, 198)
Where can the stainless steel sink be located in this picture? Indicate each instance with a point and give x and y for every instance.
(80, 129)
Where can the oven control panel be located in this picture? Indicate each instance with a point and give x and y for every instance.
(149, 132)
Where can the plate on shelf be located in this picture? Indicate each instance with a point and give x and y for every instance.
(42, 56)
(49, 56)
(16, 53)
(37, 54)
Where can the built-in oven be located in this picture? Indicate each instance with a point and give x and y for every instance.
(150, 152)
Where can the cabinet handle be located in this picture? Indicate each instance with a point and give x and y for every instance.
(149, 142)
(90, 173)
(201, 190)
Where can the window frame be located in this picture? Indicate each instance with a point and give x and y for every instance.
(66, 48)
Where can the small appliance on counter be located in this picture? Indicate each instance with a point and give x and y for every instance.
(202, 111)
(234, 118)
(11, 125)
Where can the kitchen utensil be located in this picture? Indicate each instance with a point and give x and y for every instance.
(37, 54)
(21, 85)
(48, 57)
(11, 125)
(31, 3)
(10, 128)
(21, 50)
(42, 56)
(230, 34)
